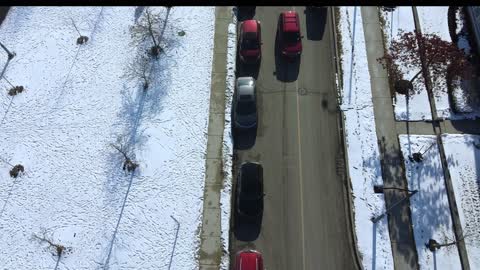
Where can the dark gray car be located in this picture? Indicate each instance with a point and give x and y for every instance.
(245, 104)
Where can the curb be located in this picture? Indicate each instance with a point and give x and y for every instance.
(341, 128)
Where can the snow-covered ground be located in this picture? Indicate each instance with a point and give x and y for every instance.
(418, 107)
(463, 158)
(78, 100)
(225, 195)
(430, 210)
(434, 20)
(373, 240)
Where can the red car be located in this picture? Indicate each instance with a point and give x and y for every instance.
(248, 260)
(289, 34)
(250, 41)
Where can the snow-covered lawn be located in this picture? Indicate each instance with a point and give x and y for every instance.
(430, 210)
(417, 108)
(373, 241)
(463, 157)
(79, 100)
(434, 20)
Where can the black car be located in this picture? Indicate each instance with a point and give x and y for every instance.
(248, 204)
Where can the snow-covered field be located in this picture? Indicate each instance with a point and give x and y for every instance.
(373, 240)
(430, 210)
(434, 20)
(78, 100)
(417, 108)
(463, 157)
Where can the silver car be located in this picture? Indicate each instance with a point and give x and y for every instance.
(245, 104)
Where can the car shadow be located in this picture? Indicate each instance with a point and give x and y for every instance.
(247, 70)
(286, 70)
(244, 12)
(316, 21)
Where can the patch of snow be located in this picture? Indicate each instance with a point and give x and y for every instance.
(373, 240)
(430, 210)
(228, 144)
(78, 100)
(417, 107)
(463, 158)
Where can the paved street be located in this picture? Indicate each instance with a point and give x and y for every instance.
(305, 217)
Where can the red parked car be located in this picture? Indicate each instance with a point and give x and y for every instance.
(250, 41)
(289, 34)
(248, 260)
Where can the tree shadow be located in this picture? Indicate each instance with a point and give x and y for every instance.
(399, 218)
(286, 70)
(316, 21)
(374, 246)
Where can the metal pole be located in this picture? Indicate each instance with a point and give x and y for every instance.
(376, 219)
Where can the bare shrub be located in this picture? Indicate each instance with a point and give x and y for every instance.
(16, 170)
(148, 28)
(128, 163)
(15, 90)
(58, 249)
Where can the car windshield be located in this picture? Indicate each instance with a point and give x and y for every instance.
(292, 37)
(246, 107)
(250, 42)
(250, 206)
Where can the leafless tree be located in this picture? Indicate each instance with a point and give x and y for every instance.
(81, 39)
(140, 68)
(128, 163)
(148, 28)
(58, 249)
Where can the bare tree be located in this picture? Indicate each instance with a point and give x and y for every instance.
(16, 169)
(148, 28)
(81, 39)
(443, 58)
(140, 68)
(58, 249)
(128, 163)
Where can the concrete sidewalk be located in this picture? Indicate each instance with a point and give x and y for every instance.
(393, 173)
(210, 243)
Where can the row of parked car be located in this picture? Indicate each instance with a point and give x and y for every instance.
(248, 196)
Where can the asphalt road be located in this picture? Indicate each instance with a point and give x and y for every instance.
(304, 221)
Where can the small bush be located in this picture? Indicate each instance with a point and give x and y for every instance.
(82, 39)
(15, 171)
(15, 90)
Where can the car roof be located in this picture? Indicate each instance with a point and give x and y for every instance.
(246, 86)
(249, 260)
(290, 21)
(250, 26)
(252, 172)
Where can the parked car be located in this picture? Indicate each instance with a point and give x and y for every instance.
(248, 260)
(248, 202)
(245, 104)
(289, 34)
(250, 41)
